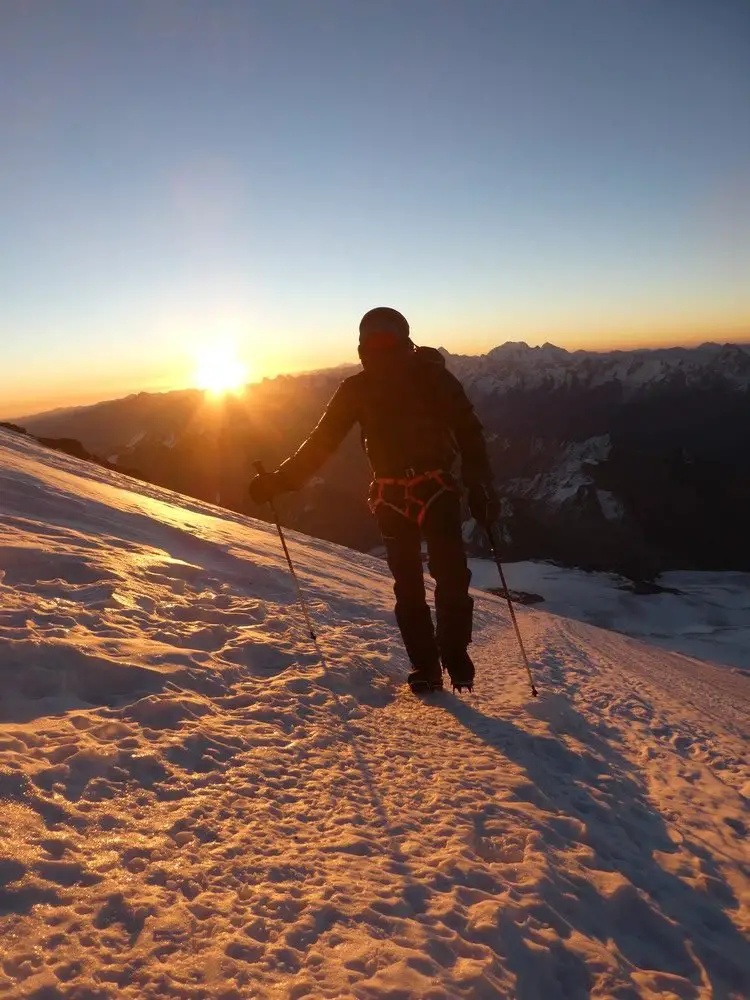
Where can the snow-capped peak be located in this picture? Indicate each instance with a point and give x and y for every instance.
(516, 363)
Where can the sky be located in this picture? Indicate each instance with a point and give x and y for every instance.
(182, 175)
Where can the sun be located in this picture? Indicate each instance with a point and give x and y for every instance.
(219, 371)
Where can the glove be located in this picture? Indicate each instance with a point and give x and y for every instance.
(483, 503)
(266, 486)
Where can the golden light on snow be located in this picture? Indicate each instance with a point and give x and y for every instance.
(214, 780)
(219, 370)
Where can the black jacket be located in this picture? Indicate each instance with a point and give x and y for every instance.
(414, 417)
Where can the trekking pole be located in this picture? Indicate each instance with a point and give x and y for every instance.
(258, 466)
(493, 546)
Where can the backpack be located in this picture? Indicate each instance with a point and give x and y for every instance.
(405, 415)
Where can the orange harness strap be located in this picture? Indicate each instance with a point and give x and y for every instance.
(400, 495)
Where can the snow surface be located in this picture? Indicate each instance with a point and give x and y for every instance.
(136, 439)
(193, 806)
(707, 617)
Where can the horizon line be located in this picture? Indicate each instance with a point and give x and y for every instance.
(299, 373)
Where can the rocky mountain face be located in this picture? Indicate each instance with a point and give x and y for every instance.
(627, 460)
(630, 461)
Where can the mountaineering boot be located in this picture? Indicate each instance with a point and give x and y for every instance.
(425, 679)
(460, 669)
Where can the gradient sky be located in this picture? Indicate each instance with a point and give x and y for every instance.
(178, 172)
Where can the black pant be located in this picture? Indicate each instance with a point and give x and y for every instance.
(441, 529)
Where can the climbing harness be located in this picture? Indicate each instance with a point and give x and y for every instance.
(410, 495)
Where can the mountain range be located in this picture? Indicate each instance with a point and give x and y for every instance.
(634, 461)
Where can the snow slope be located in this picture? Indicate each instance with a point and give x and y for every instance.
(702, 614)
(194, 807)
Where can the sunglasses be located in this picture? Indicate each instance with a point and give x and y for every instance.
(382, 341)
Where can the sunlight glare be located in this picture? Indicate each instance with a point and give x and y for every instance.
(219, 370)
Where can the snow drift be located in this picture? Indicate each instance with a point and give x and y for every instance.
(193, 806)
